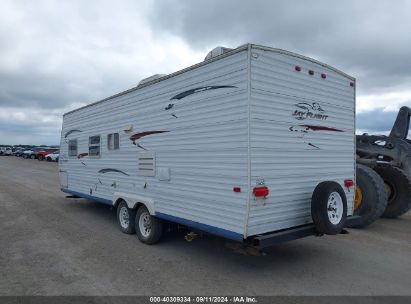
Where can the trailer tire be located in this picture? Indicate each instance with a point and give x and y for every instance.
(149, 229)
(329, 208)
(126, 218)
(371, 198)
(398, 187)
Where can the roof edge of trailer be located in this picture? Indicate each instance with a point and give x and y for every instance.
(281, 51)
(192, 67)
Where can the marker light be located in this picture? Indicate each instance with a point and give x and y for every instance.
(261, 191)
(348, 183)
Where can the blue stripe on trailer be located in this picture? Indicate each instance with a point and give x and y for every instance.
(207, 228)
(89, 197)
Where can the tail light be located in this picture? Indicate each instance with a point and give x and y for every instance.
(348, 183)
(261, 191)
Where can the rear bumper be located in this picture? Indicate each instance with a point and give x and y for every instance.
(270, 239)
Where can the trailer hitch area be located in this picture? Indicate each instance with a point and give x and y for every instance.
(189, 237)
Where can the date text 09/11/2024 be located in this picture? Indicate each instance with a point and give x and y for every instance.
(203, 299)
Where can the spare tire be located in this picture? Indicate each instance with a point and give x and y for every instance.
(370, 197)
(398, 188)
(329, 208)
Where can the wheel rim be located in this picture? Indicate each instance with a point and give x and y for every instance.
(335, 208)
(391, 193)
(124, 217)
(144, 224)
(358, 197)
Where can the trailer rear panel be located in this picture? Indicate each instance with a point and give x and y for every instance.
(302, 117)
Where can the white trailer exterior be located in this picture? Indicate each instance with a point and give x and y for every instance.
(194, 144)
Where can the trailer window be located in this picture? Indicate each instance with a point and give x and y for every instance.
(72, 147)
(113, 141)
(94, 146)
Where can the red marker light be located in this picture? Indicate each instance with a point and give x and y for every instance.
(323, 76)
(298, 68)
(237, 189)
(348, 183)
(351, 84)
(311, 72)
(261, 191)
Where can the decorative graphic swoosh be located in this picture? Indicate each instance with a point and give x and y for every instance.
(306, 106)
(321, 128)
(70, 132)
(81, 155)
(198, 90)
(106, 170)
(139, 135)
(306, 128)
(314, 146)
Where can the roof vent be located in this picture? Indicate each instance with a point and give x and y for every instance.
(151, 78)
(219, 50)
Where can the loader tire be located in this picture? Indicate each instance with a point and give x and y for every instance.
(370, 197)
(398, 188)
(149, 229)
(329, 208)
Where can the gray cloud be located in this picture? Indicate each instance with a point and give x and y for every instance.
(376, 121)
(54, 54)
(28, 133)
(368, 39)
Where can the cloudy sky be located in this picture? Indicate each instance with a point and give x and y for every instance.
(59, 55)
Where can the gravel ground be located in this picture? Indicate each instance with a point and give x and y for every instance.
(52, 245)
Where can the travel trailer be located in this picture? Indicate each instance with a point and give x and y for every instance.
(254, 144)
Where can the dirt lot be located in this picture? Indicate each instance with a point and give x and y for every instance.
(52, 245)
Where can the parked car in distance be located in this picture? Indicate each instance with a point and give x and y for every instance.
(7, 151)
(31, 153)
(18, 152)
(41, 155)
(53, 156)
